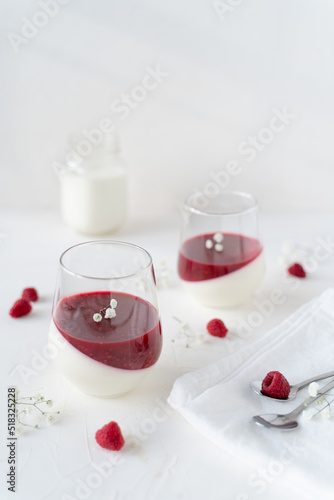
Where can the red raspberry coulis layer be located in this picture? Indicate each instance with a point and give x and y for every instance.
(198, 263)
(132, 340)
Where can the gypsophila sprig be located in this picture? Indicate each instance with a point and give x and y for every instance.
(107, 312)
(33, 407)
(187, 335)
(323, 404)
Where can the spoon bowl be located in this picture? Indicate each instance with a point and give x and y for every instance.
(278, 421)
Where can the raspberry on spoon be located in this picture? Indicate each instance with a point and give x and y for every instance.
(275, 385)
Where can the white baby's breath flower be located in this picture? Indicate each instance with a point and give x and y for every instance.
(326, 412)
(313, 389)
(107, 313)
(97, 317)
(184, 327)
(309, 413)
(209, 244)
(50, 419)
(49, 402)
(195, 339)
(219, 247)
(110, 313)
(187, 335)
(113, 303)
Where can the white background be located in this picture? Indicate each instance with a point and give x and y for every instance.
(226, 75)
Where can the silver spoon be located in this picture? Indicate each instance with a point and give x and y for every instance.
(257, 385)
(288, 421)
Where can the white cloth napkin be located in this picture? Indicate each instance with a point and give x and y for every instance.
(218, 402)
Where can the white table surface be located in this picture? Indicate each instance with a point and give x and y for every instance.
(164, 457)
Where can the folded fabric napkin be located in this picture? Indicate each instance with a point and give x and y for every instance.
(218, 401)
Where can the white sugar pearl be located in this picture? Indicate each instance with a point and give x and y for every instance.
(219, 247)
(218, 237)
(209, 244)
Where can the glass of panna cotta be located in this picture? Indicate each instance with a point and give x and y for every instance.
(221, 259)
(105, 332)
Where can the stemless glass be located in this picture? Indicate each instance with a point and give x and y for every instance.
(221, 258)
(105, 331)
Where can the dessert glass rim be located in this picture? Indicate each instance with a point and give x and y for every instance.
(105, 242)
(190, 205)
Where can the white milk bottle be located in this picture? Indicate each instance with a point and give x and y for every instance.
(93, 186)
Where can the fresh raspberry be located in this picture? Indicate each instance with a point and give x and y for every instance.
(217, 328)
(20, 308)
(30, 294)
(110, 436)
(297, 270)
(275, 385)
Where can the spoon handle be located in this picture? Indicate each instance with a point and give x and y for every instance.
(310, 400)
(301, 385)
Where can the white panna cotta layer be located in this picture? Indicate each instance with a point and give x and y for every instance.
(89, 375)
(231, 289)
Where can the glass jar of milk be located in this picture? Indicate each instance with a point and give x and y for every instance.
(93, 186)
